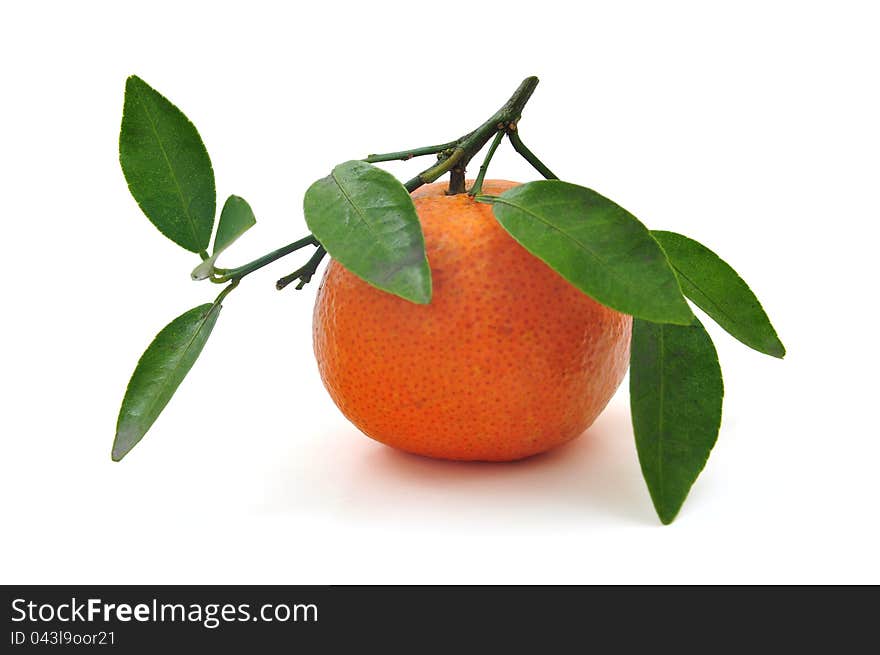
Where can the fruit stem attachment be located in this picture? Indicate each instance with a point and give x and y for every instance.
(236, 274)
(305, 272)
(528, 155)
(452, 157)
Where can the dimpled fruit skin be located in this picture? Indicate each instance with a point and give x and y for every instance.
(506, 361)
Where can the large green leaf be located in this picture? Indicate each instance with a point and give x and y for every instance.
(167, 166)
(720, 292)
(366, 220)
(675, 397)
(596, 245)
(159, 372)
(236, 218)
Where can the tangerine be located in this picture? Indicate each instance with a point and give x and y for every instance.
(506, 361)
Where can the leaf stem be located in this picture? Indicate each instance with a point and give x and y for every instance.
(489, 200)
(452, 157)
(478, 183)
(528, 155)
(260, 262)
(470, 144)
(226, 291)
(432, 173)
(405, 155)
(305, 272)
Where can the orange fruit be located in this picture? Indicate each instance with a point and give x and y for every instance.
(506, 361)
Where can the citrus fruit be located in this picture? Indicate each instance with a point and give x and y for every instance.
(506, 361)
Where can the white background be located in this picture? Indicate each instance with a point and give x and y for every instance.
(754, 128)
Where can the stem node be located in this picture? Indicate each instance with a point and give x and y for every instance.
(305, 272)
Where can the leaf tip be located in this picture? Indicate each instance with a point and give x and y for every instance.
(125, 440)
(667, 519)
(133, 80)
(119, 451)
(776, 349)
(426, 289)
(667, 511)
(680, 314)
(422, 294)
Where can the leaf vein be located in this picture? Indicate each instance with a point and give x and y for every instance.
(584, 247)
(661, 384)
(183, 352)
(359, 212)
(184, 205)
(718, 307)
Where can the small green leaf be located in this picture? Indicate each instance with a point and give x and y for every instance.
(596, 245)
(717, 289)
(236, 218)
(366, 220)
(675, 398)
(159, 372)
(167, 166)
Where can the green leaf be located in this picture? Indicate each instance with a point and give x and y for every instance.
(366, 220)
(167, 166)
(236, 218)
(596, 245)
(717, 289)
(159, 372)
(675, 398)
